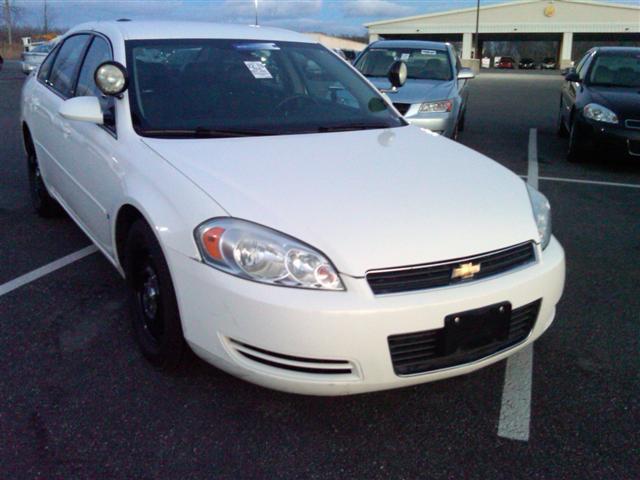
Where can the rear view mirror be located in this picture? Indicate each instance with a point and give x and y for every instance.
(82, 109)
(573, 77)
(466, 74)
(397, 74)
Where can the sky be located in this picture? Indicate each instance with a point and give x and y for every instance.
(329, 16)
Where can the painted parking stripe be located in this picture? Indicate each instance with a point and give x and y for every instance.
(515, 410)
(590, 182)
(532, 166)
(46, 269)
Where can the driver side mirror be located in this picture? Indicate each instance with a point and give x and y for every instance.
(397, 74)
(573, 76)
(466, 74)
(82, 109)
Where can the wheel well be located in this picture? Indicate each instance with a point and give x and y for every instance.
(28, 141)
(127, 216)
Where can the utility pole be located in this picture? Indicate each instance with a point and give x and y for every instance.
(8, 20)
(477, 42)
(46, 19)
(255, 2)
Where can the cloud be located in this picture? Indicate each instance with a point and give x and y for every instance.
(375, 8)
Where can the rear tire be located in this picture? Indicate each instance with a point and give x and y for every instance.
(157, 327)
(461, 122)
(43, 204)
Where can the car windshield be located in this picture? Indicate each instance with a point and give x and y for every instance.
(616, 69)
(422, 63)
(44, 48)
(222, 88)
(549, 60)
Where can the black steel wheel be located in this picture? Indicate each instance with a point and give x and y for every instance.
(562, 128)
(157, 327)
(43, 204)
(576, 152)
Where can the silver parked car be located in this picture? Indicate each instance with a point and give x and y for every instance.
(436, 91)
(32, 59)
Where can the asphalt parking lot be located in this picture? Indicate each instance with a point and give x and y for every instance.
(78, 401)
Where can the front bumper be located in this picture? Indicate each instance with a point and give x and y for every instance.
(223, 315)
(440, 123)
(608, 140)
(27, 68)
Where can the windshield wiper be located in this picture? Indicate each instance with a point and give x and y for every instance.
(201, 132)
(344, 127)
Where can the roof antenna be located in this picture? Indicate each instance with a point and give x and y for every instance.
(255, 2)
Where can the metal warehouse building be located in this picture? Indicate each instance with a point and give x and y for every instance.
(564, 22)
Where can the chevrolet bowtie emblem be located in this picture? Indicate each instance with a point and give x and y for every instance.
(465, 270)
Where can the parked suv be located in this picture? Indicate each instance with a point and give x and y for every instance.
(273, 213)
(436, 91)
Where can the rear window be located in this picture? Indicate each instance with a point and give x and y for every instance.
(422, 63)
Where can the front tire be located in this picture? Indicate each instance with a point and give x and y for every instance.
(576, 152)
(157, 327)
(562, 128)
(43, 204)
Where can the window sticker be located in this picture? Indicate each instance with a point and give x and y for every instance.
(405, 56)
(429, 52)
(258, 70)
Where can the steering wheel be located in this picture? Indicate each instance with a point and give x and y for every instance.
(297, 102)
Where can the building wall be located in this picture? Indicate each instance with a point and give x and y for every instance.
(567, 16)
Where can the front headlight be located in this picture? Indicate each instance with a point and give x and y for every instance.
(542, 215)
(441, 106)
(258, 253)
(596, 112)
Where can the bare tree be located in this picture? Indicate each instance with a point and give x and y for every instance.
(9, 15)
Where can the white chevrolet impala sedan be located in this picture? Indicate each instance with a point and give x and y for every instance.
(272, 212)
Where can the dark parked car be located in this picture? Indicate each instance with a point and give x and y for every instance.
(600, 104)
(1, 62)
(506, 62)
(548, 63)
(526, 64)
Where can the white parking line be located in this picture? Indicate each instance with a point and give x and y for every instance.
(590, 182)
(45, 270)
(515, 410)
(532, 167)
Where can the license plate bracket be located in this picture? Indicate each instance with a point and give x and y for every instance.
(473, 329)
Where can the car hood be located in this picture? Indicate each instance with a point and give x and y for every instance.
(624, 102)
(417, 91)
(367, 199)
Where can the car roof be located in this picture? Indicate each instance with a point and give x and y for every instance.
(409, 44)
(618, 49)
(157, 30)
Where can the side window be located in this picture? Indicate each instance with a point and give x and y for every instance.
(583, 66)
(43, 73)
(98, 52)
(66, 64)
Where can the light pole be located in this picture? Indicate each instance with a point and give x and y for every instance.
(255, 2)
(478, 54)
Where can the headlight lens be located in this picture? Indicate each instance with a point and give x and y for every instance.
(596, 112)
(441, 106)
(542, 215)
(258, 253)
